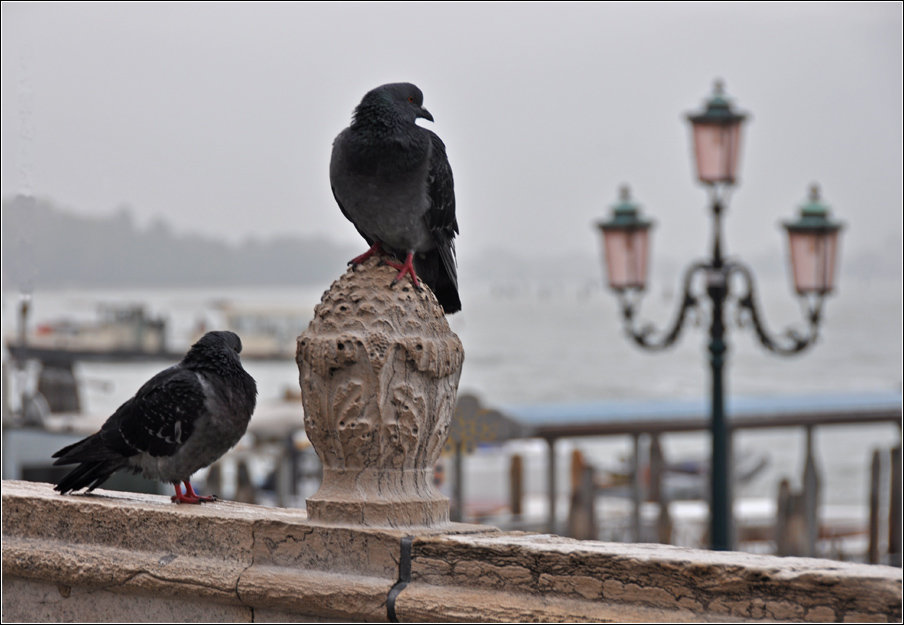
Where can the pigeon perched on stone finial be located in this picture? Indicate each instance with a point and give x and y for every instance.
(181, 420)
(392, 180)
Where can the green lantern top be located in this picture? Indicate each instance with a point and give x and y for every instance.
(718, 109)
(625, 214)
(814, 216)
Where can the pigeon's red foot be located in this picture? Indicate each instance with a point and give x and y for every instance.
(190, 495)
(405, 268)
(375, 249)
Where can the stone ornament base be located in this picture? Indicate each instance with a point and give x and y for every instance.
(349, 496)
(379, 369)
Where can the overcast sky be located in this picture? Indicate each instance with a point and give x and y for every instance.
(219, 118)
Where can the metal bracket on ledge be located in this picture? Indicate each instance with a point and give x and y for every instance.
(404, 578)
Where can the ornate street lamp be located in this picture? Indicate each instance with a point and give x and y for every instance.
(813, 241)
(717, 139)
(626, 244)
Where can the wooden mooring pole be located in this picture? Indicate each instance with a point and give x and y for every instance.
(894, 509)
(516, 485)
(457, 513)
(874, 482)
(811, 496)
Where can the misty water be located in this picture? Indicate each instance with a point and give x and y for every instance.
(533, 344)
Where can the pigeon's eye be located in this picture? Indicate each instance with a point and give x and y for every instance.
(411, 99)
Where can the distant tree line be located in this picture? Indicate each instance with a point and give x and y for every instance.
(44, 246)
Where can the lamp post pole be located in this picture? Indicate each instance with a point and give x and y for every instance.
(813, 241)
(720, 482)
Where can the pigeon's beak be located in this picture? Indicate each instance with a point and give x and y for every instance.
(425, 114)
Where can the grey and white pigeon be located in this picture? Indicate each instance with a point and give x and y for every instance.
(181, 420)
(392, 180)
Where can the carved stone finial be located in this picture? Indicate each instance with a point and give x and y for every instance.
(379, 369)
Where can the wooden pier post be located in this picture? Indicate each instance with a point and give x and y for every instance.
(516, 485)
(874, 481)
(636, 489)
(657, 491)
(582, 511)
(551, 486)
(811, 496)
(457, 513)
(894, 509)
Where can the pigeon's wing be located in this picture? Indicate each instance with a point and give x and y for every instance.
(442, 223)
(337, 158)
(369, 240)
(160, 417)
(440, 217)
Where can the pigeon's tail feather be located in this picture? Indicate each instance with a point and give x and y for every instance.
(90, 474)
(96, 461)
(437, 269)
(447, 282)
(91, 449)
(447, 294)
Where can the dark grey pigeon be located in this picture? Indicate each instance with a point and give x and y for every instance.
(392, 180)
(181, 420)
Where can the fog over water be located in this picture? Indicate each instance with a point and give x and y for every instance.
(219, 117)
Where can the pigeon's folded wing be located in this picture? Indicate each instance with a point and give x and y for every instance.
(440, 217)
(363, 234)
(161, 416)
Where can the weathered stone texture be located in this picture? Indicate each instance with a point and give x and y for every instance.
(122, 557)
(662, 577)
(340, 596)
(379, 370)
(38, 602)
(336, 549)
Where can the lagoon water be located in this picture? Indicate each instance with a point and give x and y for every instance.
(564, 343)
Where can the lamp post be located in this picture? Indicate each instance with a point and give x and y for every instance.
(813, 241)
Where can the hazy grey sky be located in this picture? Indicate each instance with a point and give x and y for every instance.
(220, 117)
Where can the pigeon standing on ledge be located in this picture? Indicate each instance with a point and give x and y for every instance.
(392, 180)
(181, 420)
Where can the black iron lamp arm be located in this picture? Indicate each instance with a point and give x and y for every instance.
(791, 341)
(645, 335)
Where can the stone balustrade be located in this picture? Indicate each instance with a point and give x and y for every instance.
(113, 556)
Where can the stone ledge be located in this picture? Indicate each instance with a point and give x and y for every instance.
(424, 603)
(685, 584)
(249, 561)
(39, 602)
(225, 553)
